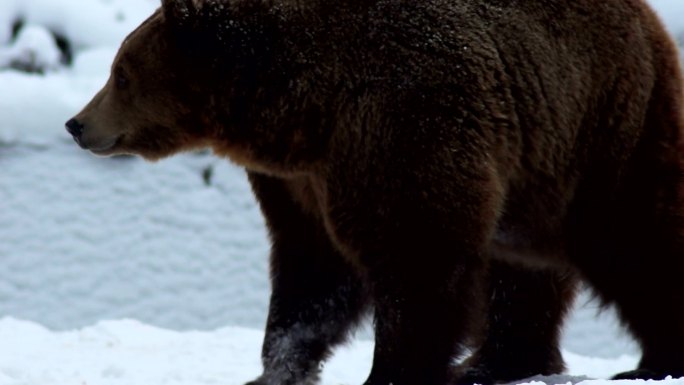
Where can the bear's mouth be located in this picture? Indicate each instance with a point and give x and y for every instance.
(108, 148)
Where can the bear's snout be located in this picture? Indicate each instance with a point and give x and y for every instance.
(95, 138)
(75, 128)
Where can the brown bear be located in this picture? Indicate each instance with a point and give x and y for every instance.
(455, 166)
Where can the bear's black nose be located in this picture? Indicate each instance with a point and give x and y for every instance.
(75, 128)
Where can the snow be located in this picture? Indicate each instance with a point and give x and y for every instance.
(132, 353)
(671, 11)
(179, 244)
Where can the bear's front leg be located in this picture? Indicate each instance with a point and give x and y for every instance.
(313, 308)
(424, 315)
(317, 297)
(421, 235)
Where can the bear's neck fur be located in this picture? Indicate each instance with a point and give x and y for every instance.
(295, 97)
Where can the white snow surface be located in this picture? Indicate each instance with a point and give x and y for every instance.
(86, 239)
(129, 352)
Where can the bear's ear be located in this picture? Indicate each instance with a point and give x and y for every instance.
(179, 12)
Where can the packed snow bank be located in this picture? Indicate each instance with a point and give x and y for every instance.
(131, 353)
(179, 243)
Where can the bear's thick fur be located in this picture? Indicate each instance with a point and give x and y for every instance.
(436, 161)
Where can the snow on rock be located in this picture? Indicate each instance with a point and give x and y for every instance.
(85, 23)
(34, 50)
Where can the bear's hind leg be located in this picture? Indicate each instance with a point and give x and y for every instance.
(645, 286)
(525, 315)
(634, 258)
(649, 292)
(317, 297)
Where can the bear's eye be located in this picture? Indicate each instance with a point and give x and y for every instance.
(120, 80)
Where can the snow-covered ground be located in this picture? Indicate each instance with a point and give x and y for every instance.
(131, 353)
(179, 244)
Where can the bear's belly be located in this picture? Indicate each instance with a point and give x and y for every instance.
(521, 245)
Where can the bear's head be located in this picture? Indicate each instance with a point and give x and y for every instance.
(166, 80)
(156, 99)
(239, 77)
